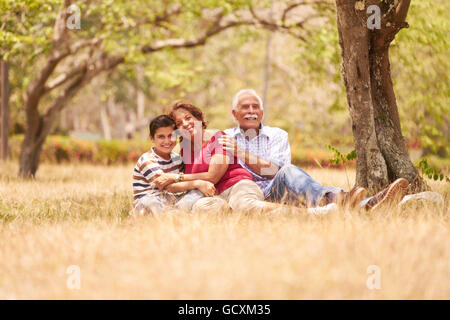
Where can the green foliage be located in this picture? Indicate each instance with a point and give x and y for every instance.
(420, 63)
(431, 172)
(343, 158)
(339, 157)
(26, 27)
(209, 76)
(322, 54)
(125, 26)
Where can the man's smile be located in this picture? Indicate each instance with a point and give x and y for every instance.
(251, 117)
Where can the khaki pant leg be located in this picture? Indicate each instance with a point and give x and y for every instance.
(246, 196)
(214, 204)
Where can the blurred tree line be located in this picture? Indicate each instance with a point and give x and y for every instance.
(299, 64)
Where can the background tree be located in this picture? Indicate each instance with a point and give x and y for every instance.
(4, 109)
(111, 34)
(305, 96)
(380, 146)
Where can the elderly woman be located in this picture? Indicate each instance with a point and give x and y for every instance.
(205, 159)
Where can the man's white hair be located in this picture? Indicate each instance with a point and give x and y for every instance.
(246, 91)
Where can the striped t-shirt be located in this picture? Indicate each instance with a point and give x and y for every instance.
(145, 170)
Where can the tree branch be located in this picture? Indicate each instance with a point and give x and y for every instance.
(286, 11)
(295, 5)
(64, 77)
(35, 89)
(59, 103)
(157, 20)
(60, 24)
(401, 12)
(282, 27)
(218, 25)
(214, 29)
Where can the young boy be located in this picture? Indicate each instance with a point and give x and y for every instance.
(160, 159)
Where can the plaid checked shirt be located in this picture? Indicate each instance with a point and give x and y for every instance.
(270, 144)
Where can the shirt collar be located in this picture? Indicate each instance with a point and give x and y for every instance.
(161, 158)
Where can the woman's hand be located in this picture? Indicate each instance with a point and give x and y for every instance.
(164, 180)
(206, 187)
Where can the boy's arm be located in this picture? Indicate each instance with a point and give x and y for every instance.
(217, 168)
(207, 188)
(182, 186)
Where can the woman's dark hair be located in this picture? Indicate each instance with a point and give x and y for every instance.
(160, 122)
(195, 111)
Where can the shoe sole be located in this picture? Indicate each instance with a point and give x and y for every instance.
(354, 200)
(396, 192)
(358, 196)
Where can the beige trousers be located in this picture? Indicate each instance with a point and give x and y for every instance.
(244, 196)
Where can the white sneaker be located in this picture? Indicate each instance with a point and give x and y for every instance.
(280, 210)
(429, 196)
(323, 210)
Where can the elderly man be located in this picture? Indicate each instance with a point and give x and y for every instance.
(265, 152)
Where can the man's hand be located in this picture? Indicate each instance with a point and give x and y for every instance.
(229, 144)
(164, 180)
(206, 187)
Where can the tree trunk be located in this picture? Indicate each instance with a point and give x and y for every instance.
(75, 119)
(39, 127)
(30, 152)
(140, 112)
(380, 148)
(371, 170)
(4, 109)
(63, 120)
(266, 72)
(105, 123)
(387, 121)
(30, 155)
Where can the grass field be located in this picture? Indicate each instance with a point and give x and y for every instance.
(78, 215)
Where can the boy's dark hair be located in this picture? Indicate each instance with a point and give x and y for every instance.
(160, 122)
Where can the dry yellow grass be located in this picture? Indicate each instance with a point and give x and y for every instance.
(78, 215)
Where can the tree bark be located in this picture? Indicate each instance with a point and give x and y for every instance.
(387, 122)
(140, 103)
(39, 127)
(105, 123)
(266, 72)
(4, 109)
(30, 155)
(380, 148)
(371, 170)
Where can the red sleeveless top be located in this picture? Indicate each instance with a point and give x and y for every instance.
(197, 161)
